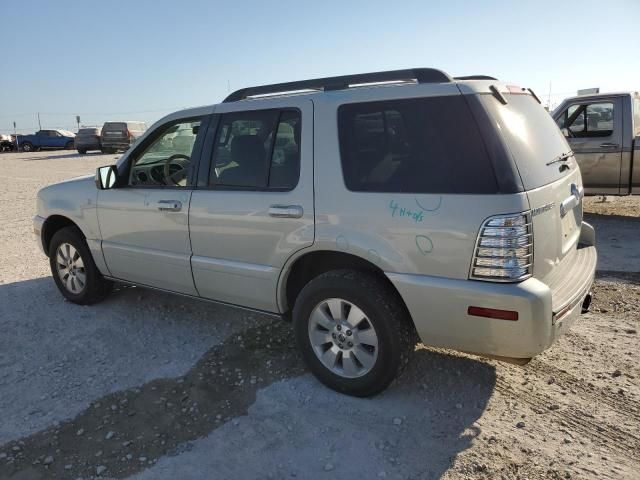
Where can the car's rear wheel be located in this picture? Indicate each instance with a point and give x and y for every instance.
(27, 147)
(82, 151)
(74, 270)
(353, 331)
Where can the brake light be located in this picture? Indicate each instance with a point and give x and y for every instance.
(504, 249)
(127, 133)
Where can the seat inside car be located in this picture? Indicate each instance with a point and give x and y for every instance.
(248, 152)
(285, 175)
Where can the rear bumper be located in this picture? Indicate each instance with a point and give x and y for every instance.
(119, 144)
(88, 145)
(439, 308)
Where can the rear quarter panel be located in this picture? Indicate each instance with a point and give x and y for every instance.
(428, 234)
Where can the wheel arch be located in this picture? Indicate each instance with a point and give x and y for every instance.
(308, 265)
(53, 224)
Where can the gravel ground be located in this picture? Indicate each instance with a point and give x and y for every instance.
(150, 386)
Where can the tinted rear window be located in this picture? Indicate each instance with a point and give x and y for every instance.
(426, 145)
(532, 137)
(114, 126)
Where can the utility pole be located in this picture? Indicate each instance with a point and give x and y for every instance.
(39, 124)
(15, 132)
(78, 121)
(549, 98)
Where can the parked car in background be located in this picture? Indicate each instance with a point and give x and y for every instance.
(603, 131)
(415, 205)
(88, 138)
(6, 143)
(120, 135)
(46, 139)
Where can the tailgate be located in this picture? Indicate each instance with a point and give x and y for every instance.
(557, 217)
(550, 175)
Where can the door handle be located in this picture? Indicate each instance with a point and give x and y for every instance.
(609, 145)
(169, 205)
(286, 211)
(569, 203)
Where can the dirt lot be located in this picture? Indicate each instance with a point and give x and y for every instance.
(151, 386)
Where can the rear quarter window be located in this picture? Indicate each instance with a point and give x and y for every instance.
(425, 145)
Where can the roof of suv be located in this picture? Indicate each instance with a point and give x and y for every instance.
(344, 82)
(410, 78)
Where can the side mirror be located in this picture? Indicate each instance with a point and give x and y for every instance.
(106, 177)
(565, 132)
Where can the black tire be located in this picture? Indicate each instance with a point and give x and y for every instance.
(68, 145)
(82, 151)
(386, 313)
(27, 147)
(96, 287)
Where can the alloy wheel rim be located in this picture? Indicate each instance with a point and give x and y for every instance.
(71, 268)
(343, 338)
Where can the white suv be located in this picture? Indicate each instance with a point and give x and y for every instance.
(373, 210)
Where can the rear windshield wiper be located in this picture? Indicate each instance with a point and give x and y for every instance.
(563, 157)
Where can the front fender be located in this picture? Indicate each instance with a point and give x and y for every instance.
(75, 200)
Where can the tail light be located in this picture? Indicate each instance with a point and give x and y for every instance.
(127, 133)
(504, 249)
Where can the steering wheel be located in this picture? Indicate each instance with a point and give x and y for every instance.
(174, 178)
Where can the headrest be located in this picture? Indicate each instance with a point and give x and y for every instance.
(247, 149)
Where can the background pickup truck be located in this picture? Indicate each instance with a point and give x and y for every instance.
(46, 139)
(604, 132)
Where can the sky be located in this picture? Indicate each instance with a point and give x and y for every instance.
(140, 60)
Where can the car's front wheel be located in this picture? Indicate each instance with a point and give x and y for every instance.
(27, 147)
(69, 146)
(353, 331)
(74, 270)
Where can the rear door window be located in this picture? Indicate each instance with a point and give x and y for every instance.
(426, 145)
(257, 150)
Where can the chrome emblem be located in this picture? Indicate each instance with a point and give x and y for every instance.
(542, 209)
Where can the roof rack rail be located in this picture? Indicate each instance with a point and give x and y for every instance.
(418, 75)
(475, 77)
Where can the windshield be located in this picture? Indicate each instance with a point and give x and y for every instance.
(532, 137)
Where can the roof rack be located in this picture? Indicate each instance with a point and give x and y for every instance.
(475, 77)
(417, 75)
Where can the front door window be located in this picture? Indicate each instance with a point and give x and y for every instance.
(166, 160)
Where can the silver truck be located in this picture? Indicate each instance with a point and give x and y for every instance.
(372, 210)
(603, 131)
